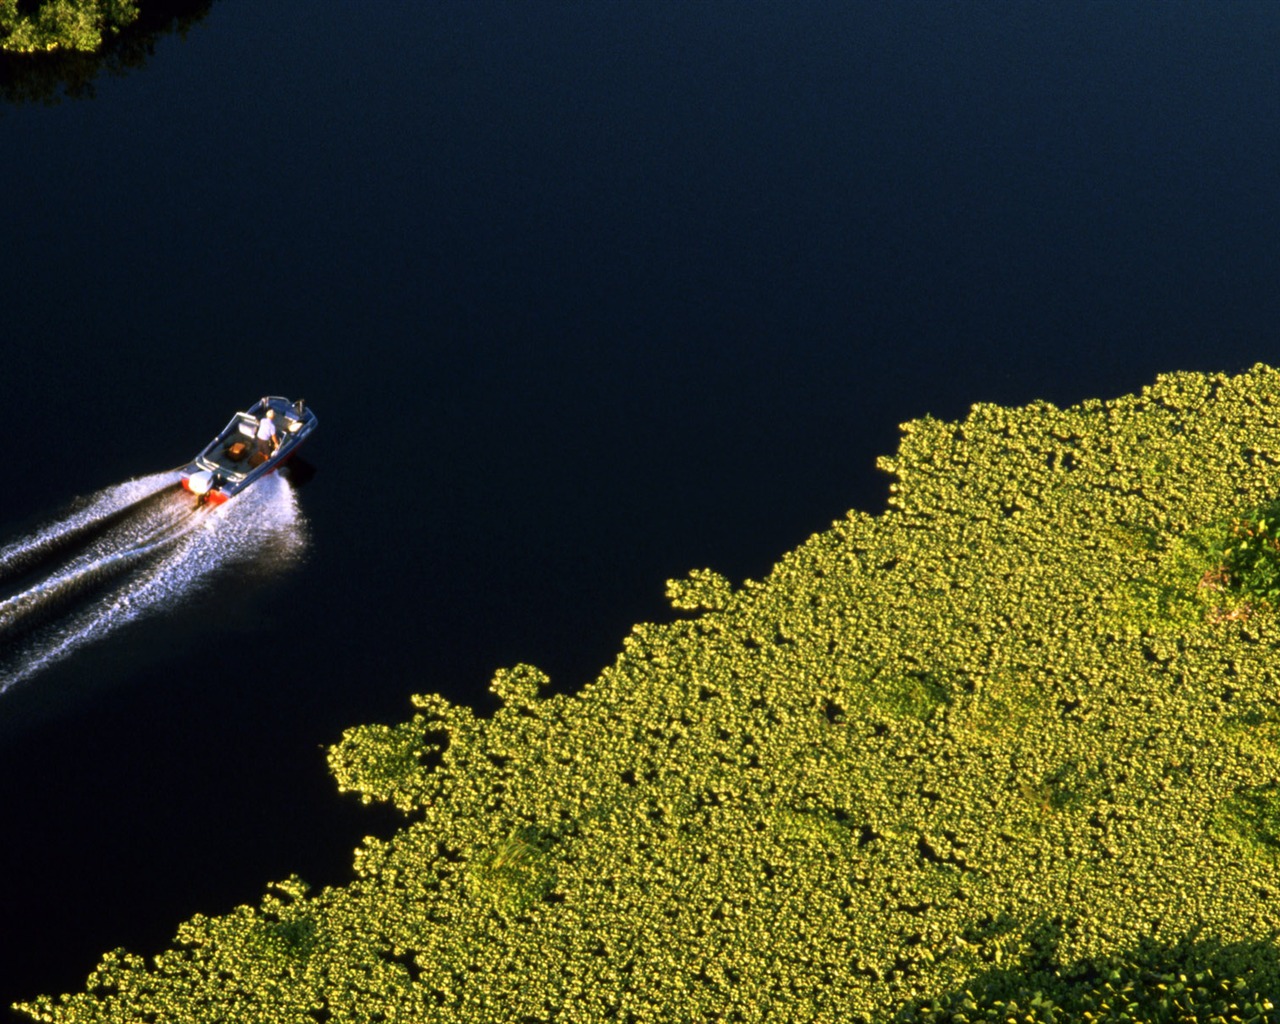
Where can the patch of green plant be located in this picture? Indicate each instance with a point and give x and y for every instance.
(1250, 555)
(816, 826)
(1069, 786)
(1190, 981)
(382, 762)
(513, 873)
(912, 694)
(702, 589)
(1181, 582)
(1004, 706)
(1252, 817)
(295, 937)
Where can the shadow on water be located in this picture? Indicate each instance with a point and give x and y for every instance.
(49, 77)
(1194, 978)
(299, 472)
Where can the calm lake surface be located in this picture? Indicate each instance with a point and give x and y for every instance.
(585, 296)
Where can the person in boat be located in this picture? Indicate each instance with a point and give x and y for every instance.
(267, 436)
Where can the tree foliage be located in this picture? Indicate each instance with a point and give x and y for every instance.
(1006, 751)
(40, 61)
(62, 24)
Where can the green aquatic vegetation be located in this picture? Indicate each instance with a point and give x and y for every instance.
(1216, 985)
(514, 873)
(1249, 556)
(1252, 816)
(1007, 750)
(914, 693)
(702, 589)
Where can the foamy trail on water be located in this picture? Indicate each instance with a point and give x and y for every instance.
(116, 551)
(96, 510)
(152, 562)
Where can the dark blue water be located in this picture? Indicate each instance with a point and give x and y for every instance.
(585, 296)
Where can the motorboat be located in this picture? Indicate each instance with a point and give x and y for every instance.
(235, 458)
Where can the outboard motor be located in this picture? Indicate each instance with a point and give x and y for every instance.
(200, 483)
(204, 485)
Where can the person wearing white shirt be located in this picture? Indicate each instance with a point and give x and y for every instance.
(266, 436)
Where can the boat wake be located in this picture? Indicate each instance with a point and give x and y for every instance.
(126, 552)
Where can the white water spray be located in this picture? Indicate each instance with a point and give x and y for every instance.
(146, 551)
(95, 511)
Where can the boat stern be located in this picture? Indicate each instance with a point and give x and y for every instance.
(204, 484)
